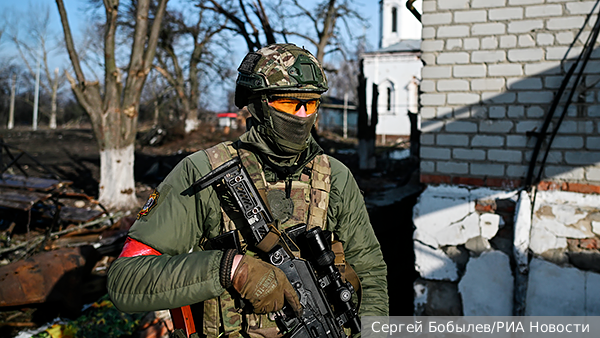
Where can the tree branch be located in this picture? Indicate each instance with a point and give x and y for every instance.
(69, 41)
(111, 72)
(241, 27)
(264, 20)
(153, 40)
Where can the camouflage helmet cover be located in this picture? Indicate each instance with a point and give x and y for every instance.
(281, 68)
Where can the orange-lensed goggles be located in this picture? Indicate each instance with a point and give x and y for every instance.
(292, 105)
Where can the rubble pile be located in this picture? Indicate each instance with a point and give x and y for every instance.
(55, 247)
(56, 244)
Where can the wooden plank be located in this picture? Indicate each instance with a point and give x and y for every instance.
(21, 199)
(31, 183)
(78, 215)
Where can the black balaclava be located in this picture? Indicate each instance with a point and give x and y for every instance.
(286, 134)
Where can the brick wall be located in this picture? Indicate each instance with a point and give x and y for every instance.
(492, 70)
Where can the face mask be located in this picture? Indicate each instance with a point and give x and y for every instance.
(290, 133)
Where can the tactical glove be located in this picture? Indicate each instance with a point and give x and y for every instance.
(265, 286)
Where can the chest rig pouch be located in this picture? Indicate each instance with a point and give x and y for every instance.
(306, 202)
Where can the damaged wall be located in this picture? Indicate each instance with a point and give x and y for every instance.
(465, 254)
(492, 71)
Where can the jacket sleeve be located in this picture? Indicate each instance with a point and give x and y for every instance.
(171, 223)
(349, 220)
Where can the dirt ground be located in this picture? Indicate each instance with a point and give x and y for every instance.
(73, 155)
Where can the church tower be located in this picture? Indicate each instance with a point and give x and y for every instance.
(397, 23)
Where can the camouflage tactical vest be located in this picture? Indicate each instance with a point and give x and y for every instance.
(308, 203)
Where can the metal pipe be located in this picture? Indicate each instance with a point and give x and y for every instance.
(413, 10)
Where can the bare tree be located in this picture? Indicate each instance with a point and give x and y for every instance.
(248, 26)
(35, 47)
(320, 25)
(344, 80)
(175, 33)
(113, 106)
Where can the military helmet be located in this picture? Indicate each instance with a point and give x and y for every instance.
(279, 68)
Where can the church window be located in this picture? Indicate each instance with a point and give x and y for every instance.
(389, 98)
(394, 19)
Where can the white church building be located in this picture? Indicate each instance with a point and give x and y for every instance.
(395, 68)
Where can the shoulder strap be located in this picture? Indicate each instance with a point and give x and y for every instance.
(319, 192)
(218, 155)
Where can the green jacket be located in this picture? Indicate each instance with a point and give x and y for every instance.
(184, 274)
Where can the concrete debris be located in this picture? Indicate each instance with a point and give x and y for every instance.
(487, 286)
(459, 232)
(596, 227)
(489, 224)
(559, 229)
(562, 230)
(449, 216)
(437, 299)
(434, 264)
(577, 292)
(459, 255)
(425, 238)
(478, 244)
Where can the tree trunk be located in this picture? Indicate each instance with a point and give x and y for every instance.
(52, 123)
(113, 109)
(191, 120)
(117, 185)
(11, 111)
(156, 113)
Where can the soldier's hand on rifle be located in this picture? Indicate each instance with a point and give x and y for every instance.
(265, 286)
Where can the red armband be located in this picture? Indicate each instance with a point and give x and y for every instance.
(182, 317)
(133, 248)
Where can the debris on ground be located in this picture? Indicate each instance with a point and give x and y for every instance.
(101, 319)
(57, 242)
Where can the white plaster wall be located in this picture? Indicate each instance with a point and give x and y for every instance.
(409, 28)
(397, 70)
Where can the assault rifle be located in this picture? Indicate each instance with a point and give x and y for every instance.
(325, 298)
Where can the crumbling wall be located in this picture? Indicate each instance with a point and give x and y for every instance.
(463, 249)
(465, 253)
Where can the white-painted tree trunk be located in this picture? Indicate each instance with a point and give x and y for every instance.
(117, 184)
(191, 125)
(52, 123)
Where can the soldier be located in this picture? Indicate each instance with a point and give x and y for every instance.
(163, 265)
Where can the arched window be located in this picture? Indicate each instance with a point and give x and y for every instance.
(386, 101)
(394, 19)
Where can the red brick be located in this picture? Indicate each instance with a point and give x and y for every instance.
(484, 207)
(588, 243)
(472, 181)
(583, 188)
(435, 179)
(547, 185)
(502, 183)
